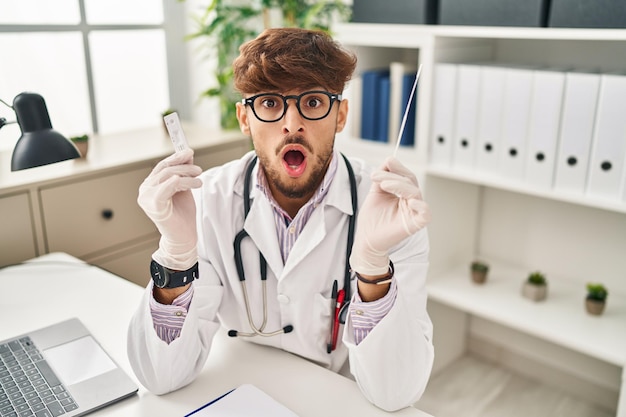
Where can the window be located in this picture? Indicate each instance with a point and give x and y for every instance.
(101, 66)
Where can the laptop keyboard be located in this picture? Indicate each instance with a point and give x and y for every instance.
(28, 386)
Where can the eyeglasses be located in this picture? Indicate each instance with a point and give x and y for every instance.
(312, 105)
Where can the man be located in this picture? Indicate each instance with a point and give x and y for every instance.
(296, 213)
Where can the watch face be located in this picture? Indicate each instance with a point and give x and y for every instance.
(159, 276)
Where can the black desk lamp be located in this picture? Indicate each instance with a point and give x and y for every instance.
(39, 144)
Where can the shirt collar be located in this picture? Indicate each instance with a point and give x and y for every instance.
(317, 197)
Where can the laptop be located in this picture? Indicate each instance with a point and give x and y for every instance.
(59, 370)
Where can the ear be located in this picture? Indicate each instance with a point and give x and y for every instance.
(342, 115)
(244, 121)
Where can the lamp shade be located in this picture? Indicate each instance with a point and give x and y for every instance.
(39, 144)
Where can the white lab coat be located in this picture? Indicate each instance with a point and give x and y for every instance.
(391, 365)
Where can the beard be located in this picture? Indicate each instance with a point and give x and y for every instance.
(296, 188)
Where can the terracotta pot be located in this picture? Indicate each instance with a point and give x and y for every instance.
(83, 147)
(535, 292)
(594, 307)
(479, 277)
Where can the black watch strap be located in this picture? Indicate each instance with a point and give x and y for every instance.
(167, 278)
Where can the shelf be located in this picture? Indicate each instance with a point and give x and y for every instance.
(574, 34)
(391, 36)
(561, 318)
(499, 182)
(372, 34)
(111, 151)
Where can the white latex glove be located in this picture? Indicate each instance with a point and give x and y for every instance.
(165, 196)
(393, 210)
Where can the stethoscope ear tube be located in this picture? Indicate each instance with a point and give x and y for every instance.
(351, 226)
(238, 259)
(257, 331)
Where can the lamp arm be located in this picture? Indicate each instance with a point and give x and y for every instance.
(3, 122)
(6, 104)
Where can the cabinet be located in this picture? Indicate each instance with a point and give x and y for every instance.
(88, 207)
(86, 217)
(516, 227)
(18, 235)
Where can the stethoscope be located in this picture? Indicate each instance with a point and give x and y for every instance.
(260, 330)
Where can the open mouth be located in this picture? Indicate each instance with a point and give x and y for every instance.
(294, 162)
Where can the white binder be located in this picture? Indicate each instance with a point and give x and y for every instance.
(466, 112)
(543, 131)
(444, 97)
(606, 168)
(576, 132)
(489, 129)
(353, 93)
(397, 71)
(516, 109)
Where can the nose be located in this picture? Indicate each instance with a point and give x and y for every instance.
(292, 121)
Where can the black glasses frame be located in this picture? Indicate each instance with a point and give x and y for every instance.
(250, 102)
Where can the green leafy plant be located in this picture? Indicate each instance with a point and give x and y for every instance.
(81, 138)
(81, 142)
(479, 266)
(596, 291)
(537, 278)
(225, 25)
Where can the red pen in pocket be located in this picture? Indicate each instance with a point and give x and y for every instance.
(340, 298)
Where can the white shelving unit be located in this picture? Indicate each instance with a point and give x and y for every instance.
(513, 226)
(562, 320)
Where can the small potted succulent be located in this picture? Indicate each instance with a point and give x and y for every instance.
(596, 298)
(82, 144)
(479, 270)
(535, 287)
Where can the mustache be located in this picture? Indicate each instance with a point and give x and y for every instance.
(294, 140)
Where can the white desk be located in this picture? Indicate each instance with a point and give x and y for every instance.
(33, 296)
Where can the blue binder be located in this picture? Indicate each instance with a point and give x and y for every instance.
(382, 124)
(371, 104)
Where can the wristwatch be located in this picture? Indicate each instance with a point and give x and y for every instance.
(167, 278)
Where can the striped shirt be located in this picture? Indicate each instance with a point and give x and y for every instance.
(168, 319)
(288, 229)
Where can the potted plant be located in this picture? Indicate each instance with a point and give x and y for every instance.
(596, 298)
(479, 271)
(81, 143)
(226, 24)
(535, 287)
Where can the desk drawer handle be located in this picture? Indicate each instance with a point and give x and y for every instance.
(107, 214)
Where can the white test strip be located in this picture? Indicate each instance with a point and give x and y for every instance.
(174, 128)
(406, 110)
